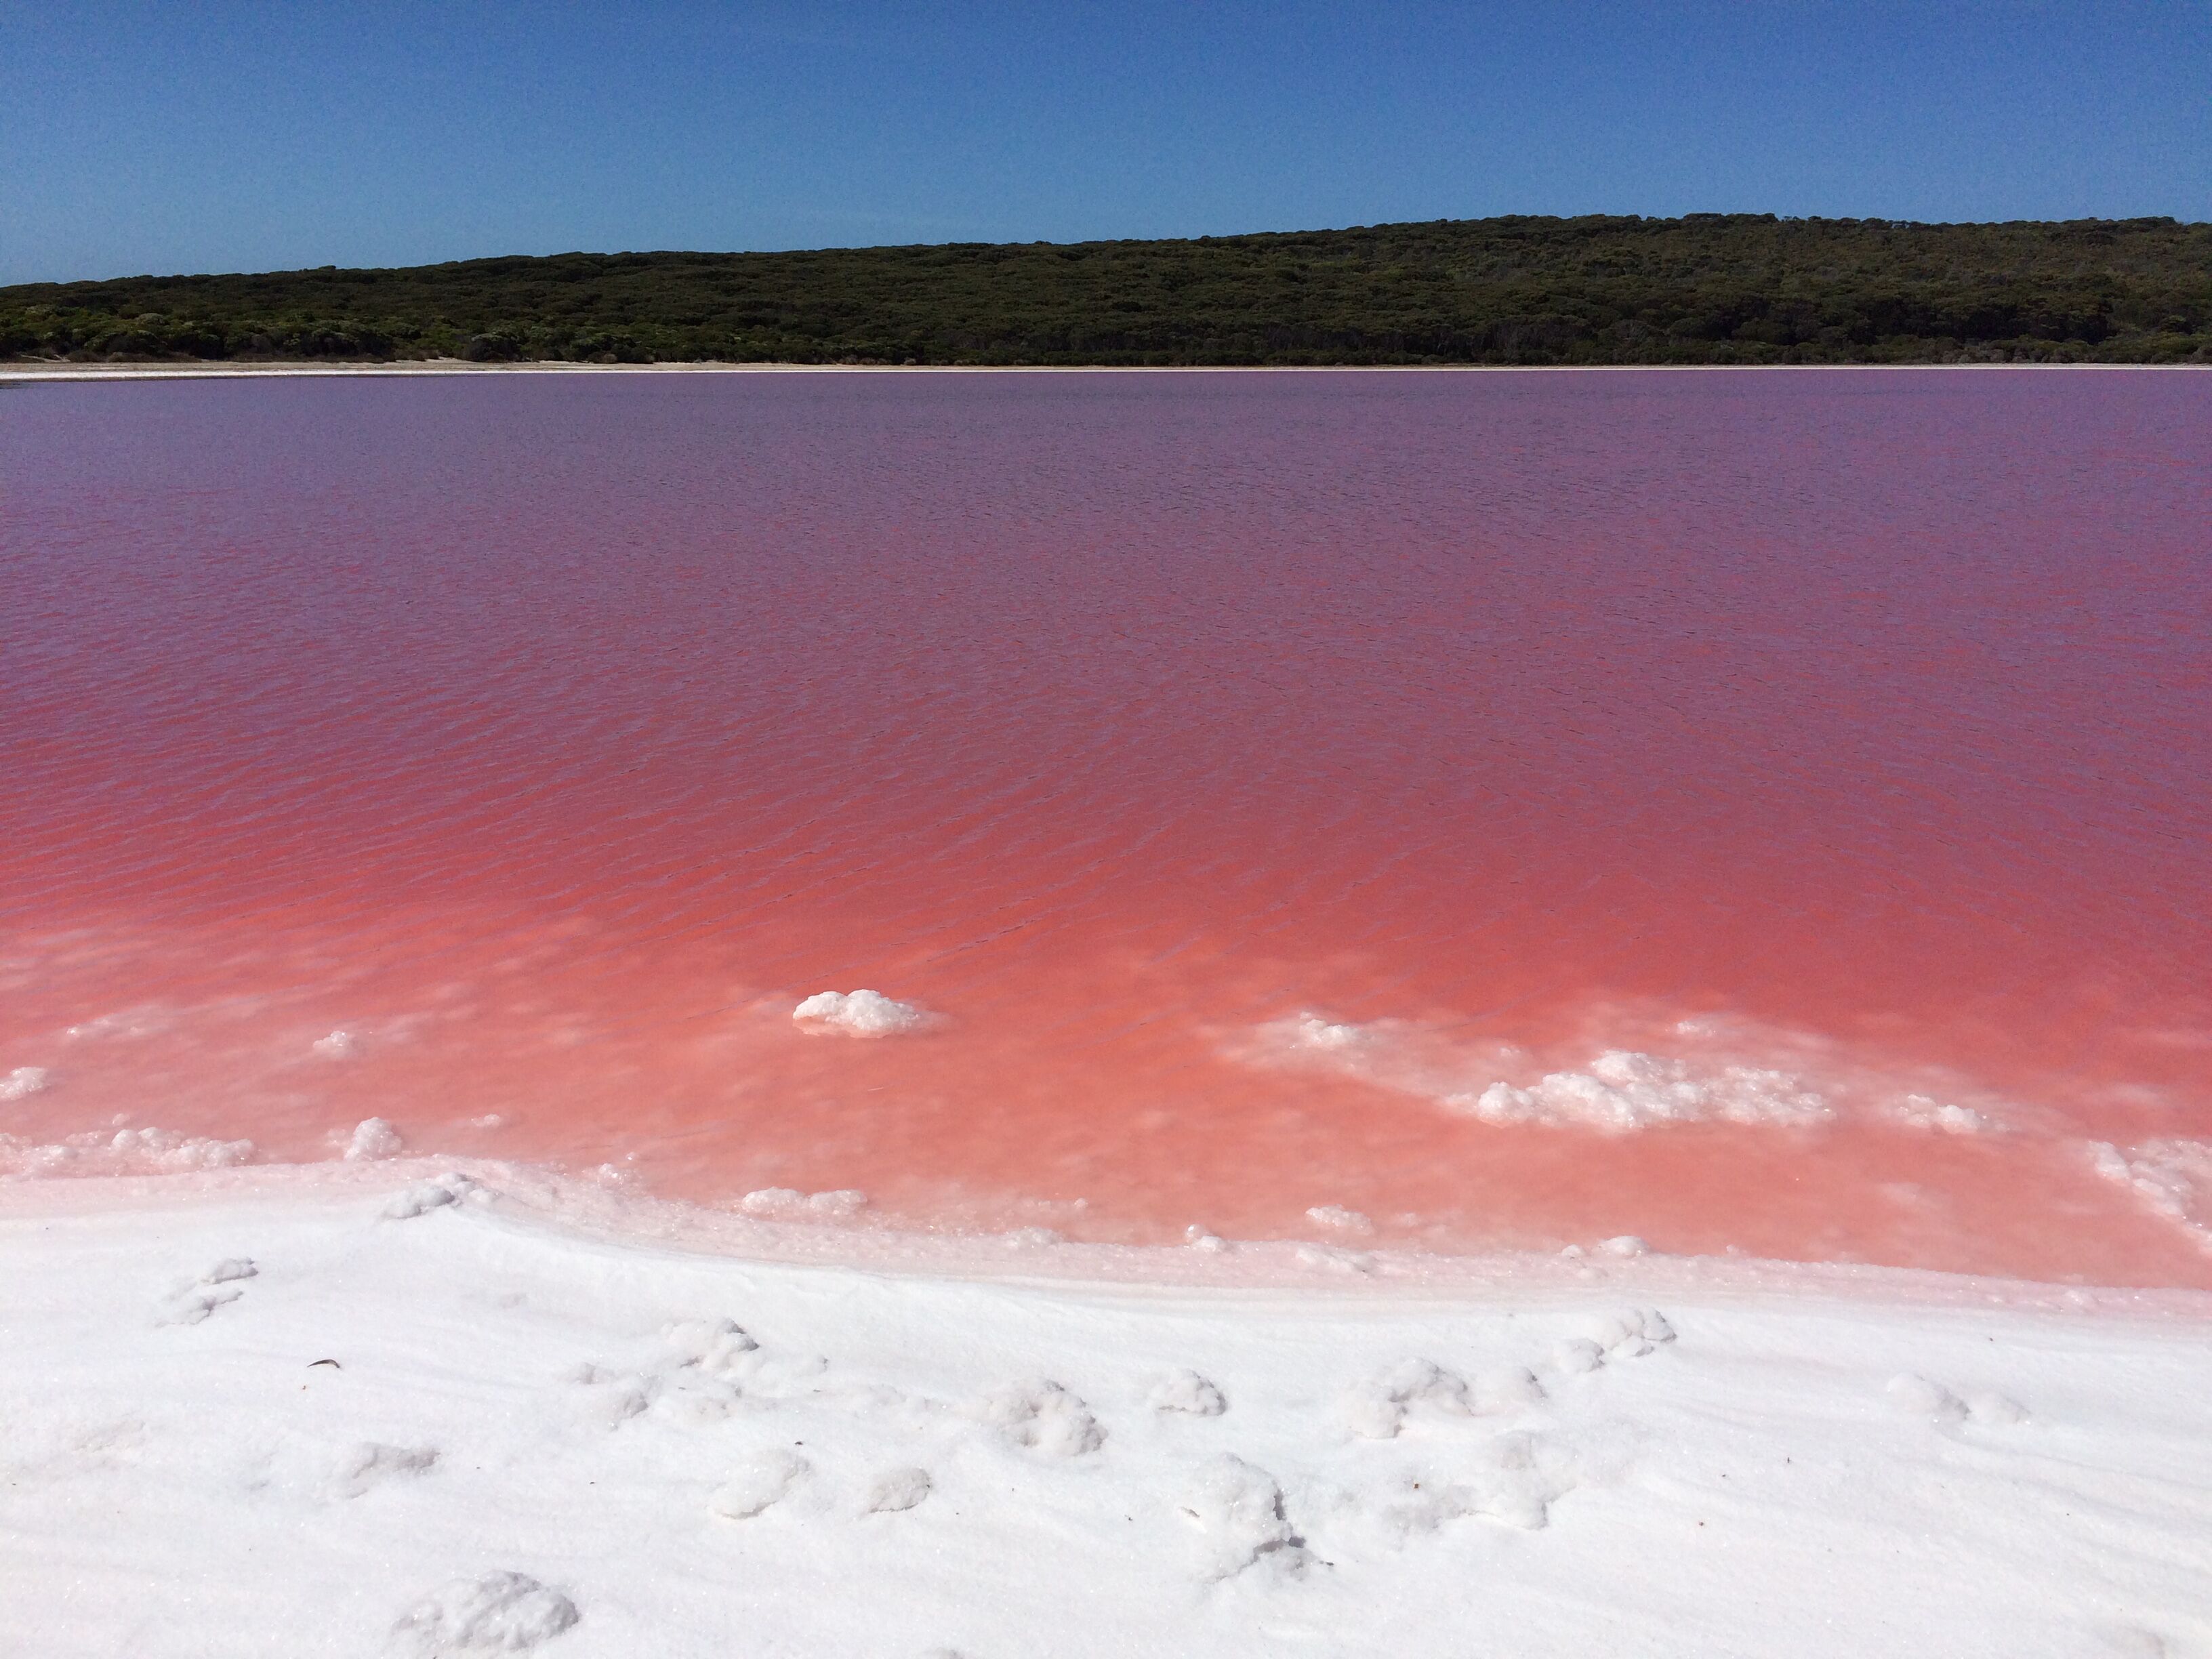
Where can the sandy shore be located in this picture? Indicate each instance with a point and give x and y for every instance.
(395, 1410)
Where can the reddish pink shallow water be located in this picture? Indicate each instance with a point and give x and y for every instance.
(1246, 771)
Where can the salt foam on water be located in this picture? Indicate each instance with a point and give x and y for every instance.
(23, 1081)
(2170, 1178)
(126, 1152)
(1622, 1091)
(858, 1013)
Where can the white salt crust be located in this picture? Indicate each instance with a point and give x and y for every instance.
(401, 1409)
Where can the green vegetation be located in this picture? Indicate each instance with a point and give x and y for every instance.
(1708, 288)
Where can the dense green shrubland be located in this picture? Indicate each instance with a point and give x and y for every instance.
(1708, 288)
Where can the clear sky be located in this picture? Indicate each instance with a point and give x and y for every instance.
(190, 136)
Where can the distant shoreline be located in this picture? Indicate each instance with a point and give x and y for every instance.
(1509, 292)
(32, 373)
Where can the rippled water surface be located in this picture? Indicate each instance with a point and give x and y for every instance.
(1765, 811)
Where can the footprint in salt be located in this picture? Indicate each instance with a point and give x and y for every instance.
(1187, 1392)
(1330, 1259)
(1043, 1417)
(371, 1463)
(1913, 1396)
(894, 1491)
(696, 1376)
(1513, 1478)
(758, 1483)
(1577, 1355)
(1632, 1334)
(192, 1301)
(1377, 1408)
(500, 1612)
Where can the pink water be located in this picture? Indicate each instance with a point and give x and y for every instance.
(1246, 771)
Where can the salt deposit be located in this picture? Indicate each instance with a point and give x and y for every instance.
(247, 1414)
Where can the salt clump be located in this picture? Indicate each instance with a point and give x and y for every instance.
(426, 1195)
(858, 1013)
(372, 1138)
(339, 1045)
(1238, 1510)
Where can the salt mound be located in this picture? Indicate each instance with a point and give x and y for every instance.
(858, 1013)
(1238, 1510)
(372, 1138)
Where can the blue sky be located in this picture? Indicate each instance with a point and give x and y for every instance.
(213, 137)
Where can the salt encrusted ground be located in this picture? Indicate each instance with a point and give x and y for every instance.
(382, 1410)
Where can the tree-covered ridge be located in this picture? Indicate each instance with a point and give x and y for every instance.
(1708, 288)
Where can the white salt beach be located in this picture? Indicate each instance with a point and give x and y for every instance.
(396, 1409)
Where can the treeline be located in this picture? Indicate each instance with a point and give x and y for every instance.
(1707, 289)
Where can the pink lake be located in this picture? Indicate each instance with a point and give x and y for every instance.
(1767, 810)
